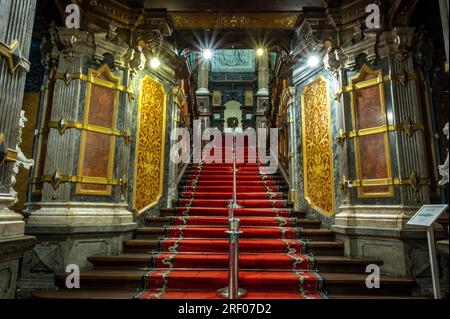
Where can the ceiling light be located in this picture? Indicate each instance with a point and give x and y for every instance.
(260, 52)
(313, 61)
(155, 63)
(207, 54)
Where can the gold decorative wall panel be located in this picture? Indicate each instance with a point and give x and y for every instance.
(317, 147)
(372, 155)
(262, 20)
(150, 144)
(97, 149)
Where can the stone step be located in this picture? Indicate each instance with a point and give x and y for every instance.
(318, 248)
(171, 220)
(310, 234)
(78, 294)
(334, 283)
(167, 212)
(338, 264)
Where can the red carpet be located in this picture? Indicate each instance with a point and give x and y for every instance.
(193, 260)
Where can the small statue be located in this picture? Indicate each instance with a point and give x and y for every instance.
(443, 169)
(22, 160)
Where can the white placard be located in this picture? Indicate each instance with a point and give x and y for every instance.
(427, 215)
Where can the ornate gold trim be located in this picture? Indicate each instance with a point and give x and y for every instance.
(57, 179)
(92, 74)
(306, 182)
(8, 155)
(408, 126)
(403, 78)
(7, 52)
(63, 125)
(413, 180)
(90, 78)
(162, 148)
(355, 85)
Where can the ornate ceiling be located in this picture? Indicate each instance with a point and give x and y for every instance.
(192, 23)
(231, 5)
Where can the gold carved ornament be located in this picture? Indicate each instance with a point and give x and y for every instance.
(6, 154)
(91, 78)
(58, 178)
(408, 127)
(414, 181)
(150, 146)
(317, 147)
(9, 53)
(62, 125)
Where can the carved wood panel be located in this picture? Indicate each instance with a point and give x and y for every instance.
(150, 145)
(317, 147)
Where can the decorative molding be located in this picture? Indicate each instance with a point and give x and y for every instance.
(413, 180)
(403, 78)
(57, 179)
(407, 126)
(63, 125)
(90, 79)
(7, 154)
(266, 20)
(109, 43)
(98, 45)
(287, 21)
(11, 53)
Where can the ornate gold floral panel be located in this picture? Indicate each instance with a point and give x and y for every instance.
(317, 147)
(372, 154)
(150, 144)
(97, 149)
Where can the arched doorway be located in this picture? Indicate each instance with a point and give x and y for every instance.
(232, 110)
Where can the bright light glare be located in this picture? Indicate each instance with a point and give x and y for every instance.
(313, 61)
(260, 52)
(155, 63)
(207, 54)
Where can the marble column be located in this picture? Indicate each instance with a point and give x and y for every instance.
(203, 96)
(16, 24)
(263, 75)
(262, 96)
(176, 170)
(288, 97)
(376, 227)
(203, 76)
(443, 5)
(71, 227)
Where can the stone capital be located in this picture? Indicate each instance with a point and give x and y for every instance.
(73, 42)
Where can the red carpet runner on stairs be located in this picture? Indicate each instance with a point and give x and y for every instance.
(193, 259)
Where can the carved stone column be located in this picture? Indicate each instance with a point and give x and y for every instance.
(262, 96)
(88, 127)
(263, 75)
(443, 6)
(288, 96)
(203, 77)
(175, 169)
(371, 224)
(203, 96)
(16, 26)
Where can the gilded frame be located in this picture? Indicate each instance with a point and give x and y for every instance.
(304, 151)
(356, 85)
(93, 80)
(163, 145)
